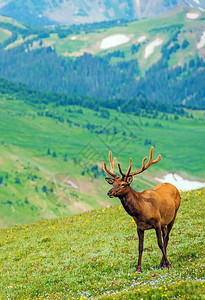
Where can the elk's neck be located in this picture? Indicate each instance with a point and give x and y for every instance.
(131, 202)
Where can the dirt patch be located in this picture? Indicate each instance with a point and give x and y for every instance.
(81, 206)
(77, 53)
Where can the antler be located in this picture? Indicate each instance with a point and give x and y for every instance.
(128, 171)
(112, 163)
(149, 163)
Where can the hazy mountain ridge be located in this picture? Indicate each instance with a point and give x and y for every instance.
(49, 12)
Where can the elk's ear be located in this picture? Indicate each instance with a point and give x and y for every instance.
(110, 180)
(129, 179)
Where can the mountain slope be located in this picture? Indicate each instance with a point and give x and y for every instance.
(167, 51)
(88, 11)
(94, 256)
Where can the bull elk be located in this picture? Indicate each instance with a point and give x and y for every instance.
(150, 209)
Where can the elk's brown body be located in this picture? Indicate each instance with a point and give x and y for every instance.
(151, 209)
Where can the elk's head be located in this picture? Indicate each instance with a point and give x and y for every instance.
(121, 185)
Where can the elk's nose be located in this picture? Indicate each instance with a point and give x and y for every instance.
(109, 192)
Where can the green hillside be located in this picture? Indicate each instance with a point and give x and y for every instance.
(162, 57)
(74, 41)
(164, 27)
(50, 161)
(94, 256)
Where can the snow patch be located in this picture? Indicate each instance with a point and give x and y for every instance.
(197, 1)
(201, 9)
(192, 16)
(138, 3)
(141, 38)
(114, 41)
(73, 38)
(151, 47)
(72, 184)
(202, 41)
(6, 31)
(180, 182)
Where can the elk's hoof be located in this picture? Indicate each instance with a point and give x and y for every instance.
(168, 266)
(138, 271)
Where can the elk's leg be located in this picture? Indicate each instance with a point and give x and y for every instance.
(161, 246)
(141, 241)
(164, 231)
(166, 239)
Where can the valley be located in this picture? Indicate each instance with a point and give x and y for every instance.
(51, 153)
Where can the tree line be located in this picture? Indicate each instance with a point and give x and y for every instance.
(140, 105)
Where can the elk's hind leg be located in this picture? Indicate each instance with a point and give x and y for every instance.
(161, 245)
(165, 233)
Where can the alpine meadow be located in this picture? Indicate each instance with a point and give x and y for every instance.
(93, 93)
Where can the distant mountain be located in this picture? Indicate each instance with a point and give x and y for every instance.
(47, 12)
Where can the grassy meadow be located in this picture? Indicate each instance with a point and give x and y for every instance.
(94, 256)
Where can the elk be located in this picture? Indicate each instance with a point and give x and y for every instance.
(150, 209)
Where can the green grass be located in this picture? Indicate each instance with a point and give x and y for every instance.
(94, 255)
(26, 167)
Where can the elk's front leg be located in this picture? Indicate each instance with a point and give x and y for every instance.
(141, 241)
